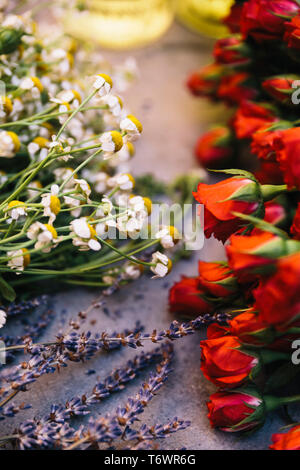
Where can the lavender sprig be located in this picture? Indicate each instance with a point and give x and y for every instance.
(73, 347)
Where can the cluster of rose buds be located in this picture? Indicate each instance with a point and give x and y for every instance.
(255, 214)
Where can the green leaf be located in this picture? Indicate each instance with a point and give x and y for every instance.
(285, 374)
(237, 172)
(6, 290)
(261, 224)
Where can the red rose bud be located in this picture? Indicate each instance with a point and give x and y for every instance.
(235, 88)
(240, 410)
(275, 213)
(213, 149)
(287, 147)
(251, 329)
(278, 297)
(292, 33)
(231, 50)
(256, 254)
(295, 228)
(187, 297)
(251, 117)
(287, 441)
(221, 200)
(217, 279)
(226, 364)
(265, 19)
(232, 21)
(280, 88)
(206, 81)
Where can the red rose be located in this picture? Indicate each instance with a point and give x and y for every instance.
(217, 279)
(287, 441)
(234, 89)
(236, 411)
(262, 144)
(234, 18)
(224, 363)
(287, 147)
(295, 229)
(187, 297)
(220, 200)
(254, 254)
(292, 33)
(251, 329)
(206, 81)
(264, 19)
(213, 148)
(280, 88)
(231, 50)
(269, 173)
(251, 117)
(278, 297)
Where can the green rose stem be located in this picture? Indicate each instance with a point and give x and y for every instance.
(270, 191)
(272, 402)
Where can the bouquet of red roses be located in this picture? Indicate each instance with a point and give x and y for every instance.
(255, 212)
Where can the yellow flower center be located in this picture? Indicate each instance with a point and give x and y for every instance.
(106, 78)
(76, 95)
(174, 233)
(51, 229)
(54, 204)
(37, 83)
(7, 104)
(148, 204)
(15, 203)
(36, 184)
(26, 257)
(117, 140)
(130, 148)
(41, 142)
(131, 178)
(92, 231)
(136, 122)
(15, 140)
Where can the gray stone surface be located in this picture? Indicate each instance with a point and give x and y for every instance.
(172, 121)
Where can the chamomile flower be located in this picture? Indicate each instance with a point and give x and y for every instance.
(39, 148)
(20, 259)
(140, 205)
(103, 83)
(114, 103)
(124, 181)
(132, 127)
(162, 265)
(44, 234)
(2, 318)
(6, 106)
(51, 203)
(68, 96)
(63, 174)
(98, 179)
(33, 189)
(16, 209)
(82, 187)
(9, 144)
(32, 84)
(111, 142)
(168, 236)
(132, 271)
(84, 235)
